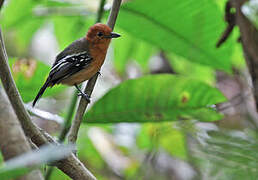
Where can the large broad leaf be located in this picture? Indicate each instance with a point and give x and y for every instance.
(157, 98)
(29, 76)
(187, 28)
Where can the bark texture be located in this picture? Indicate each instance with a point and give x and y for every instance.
(12, 139)
(249, 40)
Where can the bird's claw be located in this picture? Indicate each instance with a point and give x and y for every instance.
(99, 73)
(85, 96)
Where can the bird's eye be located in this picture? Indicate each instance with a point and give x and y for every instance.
(100, 34)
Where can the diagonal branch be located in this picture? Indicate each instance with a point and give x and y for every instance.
(72, 135)
(15, 98)
(249, 36)
(71, 165)
(12, 139)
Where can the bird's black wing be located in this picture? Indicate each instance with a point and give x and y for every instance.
(68, 66)
(78, 46)
(71, 60)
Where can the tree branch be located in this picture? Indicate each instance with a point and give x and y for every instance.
(12, 139)
(73, 133)
(249, 40)
(71, 165)
(15, 98)
(113, 14)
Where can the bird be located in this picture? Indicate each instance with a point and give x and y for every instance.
(80, 61)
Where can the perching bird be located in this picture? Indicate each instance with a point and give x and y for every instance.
(80, 60)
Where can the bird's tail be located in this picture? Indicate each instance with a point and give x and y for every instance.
(41, 91)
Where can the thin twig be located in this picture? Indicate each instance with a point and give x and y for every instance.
(71, 165)
(113, 14)
(72, 135)
(68, 119)
(231, 21)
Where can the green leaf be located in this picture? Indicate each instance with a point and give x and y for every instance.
(157, 98)
(16, 12)
(26, 162)
(29, 76)
(187, 28)
(18, 18)
(152, 136)
(13, 173)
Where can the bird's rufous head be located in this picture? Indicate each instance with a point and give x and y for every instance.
(100, 33)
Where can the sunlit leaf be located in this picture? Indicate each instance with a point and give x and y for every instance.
(155, 99)
(173, 142)
(187, 28)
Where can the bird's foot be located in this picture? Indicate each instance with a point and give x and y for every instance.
(85, 96)
(99, 74)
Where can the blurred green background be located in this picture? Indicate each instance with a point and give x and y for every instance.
(153, 113)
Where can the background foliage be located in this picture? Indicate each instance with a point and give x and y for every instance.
(185, 33)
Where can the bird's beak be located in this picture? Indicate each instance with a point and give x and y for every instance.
(112, 35)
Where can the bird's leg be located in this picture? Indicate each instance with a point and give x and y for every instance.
(84, 95)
